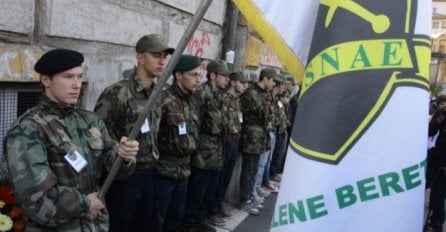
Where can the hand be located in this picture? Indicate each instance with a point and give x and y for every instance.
(96, 206)
(128, 149)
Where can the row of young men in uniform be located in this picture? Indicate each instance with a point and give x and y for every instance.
(179, 173)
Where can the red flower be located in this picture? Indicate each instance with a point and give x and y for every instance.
(6, 196)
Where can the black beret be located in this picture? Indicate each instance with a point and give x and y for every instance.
(58, 60)
(187, 62)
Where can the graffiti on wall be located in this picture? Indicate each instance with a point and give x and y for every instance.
(198, 44)
(17, 64)
(269, 58)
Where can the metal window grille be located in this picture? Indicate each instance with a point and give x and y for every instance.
(15, 99)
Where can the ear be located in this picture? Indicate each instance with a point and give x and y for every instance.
(140, 58)
(178, 76)
(212, 76)
(45, 80)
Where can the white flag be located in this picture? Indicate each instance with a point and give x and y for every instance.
(356, 160)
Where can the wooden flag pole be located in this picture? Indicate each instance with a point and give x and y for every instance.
(157, 90)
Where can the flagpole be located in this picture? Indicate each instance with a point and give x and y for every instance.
(197, 17)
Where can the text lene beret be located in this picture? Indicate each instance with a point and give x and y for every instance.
(153, 43)
(218, 67)
(58, 60)
(187, 62)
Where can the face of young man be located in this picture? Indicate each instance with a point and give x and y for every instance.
(239, 86)
(189, 80)
(270, 83)
(153, 63)
(221, 81)
(442, 105)
(64, 87)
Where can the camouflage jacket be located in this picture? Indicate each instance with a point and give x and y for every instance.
(281, 117)
(119, 106)
(255, 107)
(269, 100)
(178, 133)
(50, 191)
(232, 113)
(210, 145)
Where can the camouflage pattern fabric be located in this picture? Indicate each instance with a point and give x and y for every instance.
(178, 133)
(281, 117)
(271, 116)
(210, 145)
(231, 113)
(119, 106)
(50, 191)
(256, 116)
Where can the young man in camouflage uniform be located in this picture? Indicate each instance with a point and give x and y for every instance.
(282, 106)
(177, 142)
(256, 107)
(130, 202)
(233, 118)
(264, 182)
(208, 162)
(57, 153)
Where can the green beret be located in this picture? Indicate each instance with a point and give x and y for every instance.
(187, 62)
(270, 73)
(239, 76)
(153, 43)
(218, 67)
(58, 60)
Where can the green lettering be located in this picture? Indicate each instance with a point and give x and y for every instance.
(333, 62)
(309, 75)
(390, 53)
(282, 215)
(365, 187)
(410, 174)
(316, 206)
(361, 56)
(389, 180)
(345, 196)
(298, 212)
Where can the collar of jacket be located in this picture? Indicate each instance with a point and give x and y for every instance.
(55, 108)
(178, 92)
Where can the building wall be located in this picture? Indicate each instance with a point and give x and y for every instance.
(105, 31)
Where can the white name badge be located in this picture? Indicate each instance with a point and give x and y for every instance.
(182, 128)
(76, 160)
(240, 117)
(280, 104)
(145, 127)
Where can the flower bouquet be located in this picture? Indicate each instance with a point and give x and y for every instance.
(12, 218)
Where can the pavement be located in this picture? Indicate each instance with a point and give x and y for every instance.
(240, 221)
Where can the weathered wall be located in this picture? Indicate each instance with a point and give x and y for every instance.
(105, 31)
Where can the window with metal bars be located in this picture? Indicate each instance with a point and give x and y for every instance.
(15, 99)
